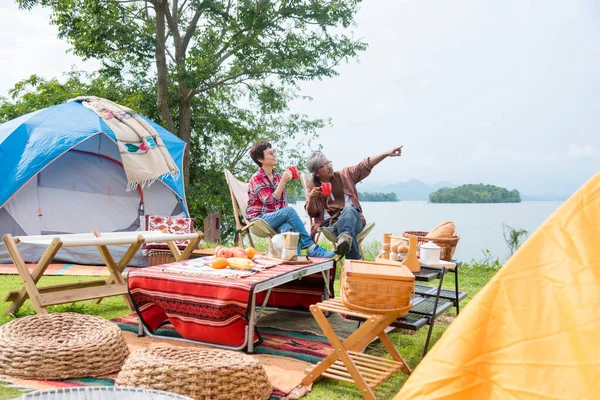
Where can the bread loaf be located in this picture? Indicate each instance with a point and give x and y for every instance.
(444, 230)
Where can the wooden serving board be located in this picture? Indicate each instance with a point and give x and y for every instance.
(295, 260)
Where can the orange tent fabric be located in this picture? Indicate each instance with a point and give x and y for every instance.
(534, 330)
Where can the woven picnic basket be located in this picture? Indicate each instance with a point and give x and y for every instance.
(61, 346)
(196, 372)
(377, 288)
(447, 245)
(160, 257)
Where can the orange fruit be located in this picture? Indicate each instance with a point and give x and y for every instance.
(251, 252)
(219, 263)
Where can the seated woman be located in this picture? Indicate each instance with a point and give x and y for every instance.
(267, 199)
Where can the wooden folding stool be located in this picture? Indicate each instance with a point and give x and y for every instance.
(346, 362)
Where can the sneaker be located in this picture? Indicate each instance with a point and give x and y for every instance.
(319, 252)
(344, 244)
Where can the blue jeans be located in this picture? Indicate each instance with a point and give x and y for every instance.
(350, 223)
(286, 219)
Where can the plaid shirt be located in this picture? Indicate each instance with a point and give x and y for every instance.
(260, 195)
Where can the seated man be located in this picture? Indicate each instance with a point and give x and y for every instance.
(341, 211)
(267, 199)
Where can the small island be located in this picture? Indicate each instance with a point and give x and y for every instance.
(369, 196)
(475, 194)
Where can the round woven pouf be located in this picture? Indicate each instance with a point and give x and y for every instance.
(197, 373)
(61, 346)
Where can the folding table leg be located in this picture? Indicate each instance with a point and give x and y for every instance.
(29, 280)
(341, 352)
(117, 269)
(393, 352)
(189, 248)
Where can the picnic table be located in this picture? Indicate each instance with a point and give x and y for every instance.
(114, 285)
(222, 312)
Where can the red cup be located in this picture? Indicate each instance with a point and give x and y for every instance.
(294, 170)
(326, 189)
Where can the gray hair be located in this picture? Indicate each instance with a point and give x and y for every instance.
(314, 161)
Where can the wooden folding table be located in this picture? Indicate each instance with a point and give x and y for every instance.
(114, 285)
(346, 362)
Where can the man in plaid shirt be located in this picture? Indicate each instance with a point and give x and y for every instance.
(267, 199)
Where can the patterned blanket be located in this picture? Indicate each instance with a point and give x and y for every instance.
(145, 157)
(213, 309)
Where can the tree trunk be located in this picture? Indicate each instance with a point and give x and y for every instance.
(161, 67)
(185, 128)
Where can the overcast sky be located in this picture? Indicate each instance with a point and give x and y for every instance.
(505, 92)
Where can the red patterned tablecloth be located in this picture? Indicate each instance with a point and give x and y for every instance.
(216, 310)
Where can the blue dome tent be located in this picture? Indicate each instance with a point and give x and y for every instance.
(61, 172)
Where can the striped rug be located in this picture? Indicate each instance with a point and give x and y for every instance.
(284, 334)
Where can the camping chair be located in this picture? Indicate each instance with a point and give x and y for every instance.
(239, 200)
(328, 233)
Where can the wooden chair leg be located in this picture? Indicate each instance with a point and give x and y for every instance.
(361, 250)
(238, 239)
(250, 238)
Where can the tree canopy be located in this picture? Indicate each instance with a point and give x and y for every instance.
(220, 74)
(212, 55)
(475, 194)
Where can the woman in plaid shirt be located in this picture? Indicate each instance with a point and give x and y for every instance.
(267, 199)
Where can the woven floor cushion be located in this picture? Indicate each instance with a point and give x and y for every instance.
(197, 373)
(61, 346)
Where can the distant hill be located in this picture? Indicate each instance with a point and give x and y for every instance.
(416, 190)
(479, 193)
(412, 190)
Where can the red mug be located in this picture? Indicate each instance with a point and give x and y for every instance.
(294, 170)
(326, 188)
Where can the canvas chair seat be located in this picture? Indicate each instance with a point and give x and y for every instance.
(239, 201)
(329, 234)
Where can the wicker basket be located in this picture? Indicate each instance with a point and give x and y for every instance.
(196, 372)
(377, 288)
(447, 245)
(160, 257)
(61, 346)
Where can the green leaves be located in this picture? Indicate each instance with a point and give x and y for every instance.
(219, 73)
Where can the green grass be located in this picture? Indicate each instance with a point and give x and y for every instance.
(8, 392)
(472, 278)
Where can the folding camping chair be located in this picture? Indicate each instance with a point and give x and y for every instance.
(239, 200)
(328, 233)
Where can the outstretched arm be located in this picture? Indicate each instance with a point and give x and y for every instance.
(395, 152)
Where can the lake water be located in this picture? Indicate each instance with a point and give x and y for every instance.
(478, 225)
